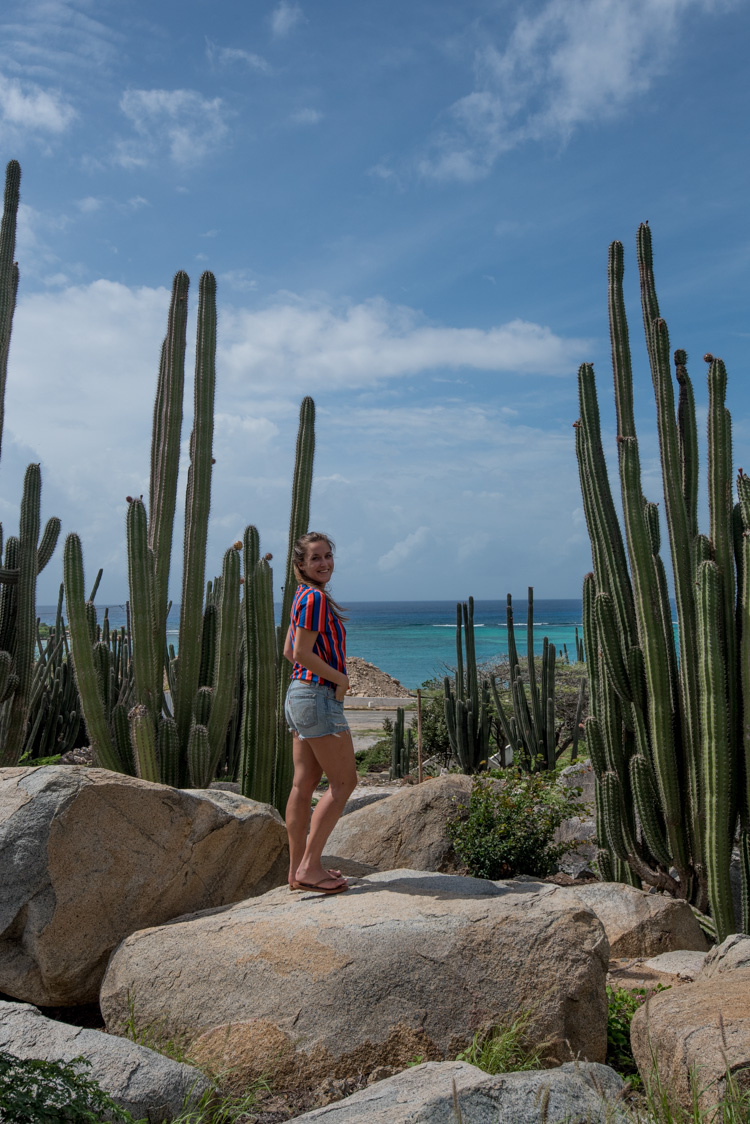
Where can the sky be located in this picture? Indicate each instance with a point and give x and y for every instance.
(407, 207)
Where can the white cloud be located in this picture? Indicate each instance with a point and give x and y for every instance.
(227, 56)
(404, 550)
(28, 107)
(363, 344)
(306, 117)
(285, 17)
(88, 205)
(567, 64)
(188, 125)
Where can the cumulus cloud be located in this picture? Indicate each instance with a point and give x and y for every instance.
(285, 17)
(564, 64)
(402, 551)
(363, 344)
(28, 107)
(188, 125)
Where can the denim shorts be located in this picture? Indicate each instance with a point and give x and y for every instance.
(313, 711)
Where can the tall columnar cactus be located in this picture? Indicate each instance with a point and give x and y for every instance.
(26, 555)
(530, 730)
(401, 747)
(181, 742)
(260, 671)
(666, 731)
(467, 701)
(299, 520)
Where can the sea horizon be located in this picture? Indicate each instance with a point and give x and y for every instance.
(415, 641)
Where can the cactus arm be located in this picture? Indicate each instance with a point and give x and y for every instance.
(460, 678)
(8, 273)
(165, 453)
(534, 694)
(197, 505)
(26, 614)
(261, 697)
(147, 665)
(717, 754)
(620, 342)
(227, 653)
(143, 739)
(199, 757)
(48, 543)
(299, 520)
(89, 689)
(687, 434)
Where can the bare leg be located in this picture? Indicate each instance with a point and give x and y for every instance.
(307, 774)
(334, 755)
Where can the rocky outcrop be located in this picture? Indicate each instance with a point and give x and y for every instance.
(702, 1027)
(406, 831)
(300, 987)
(425, 1094)
(89, 856)
(641, 924)
(145, 1083)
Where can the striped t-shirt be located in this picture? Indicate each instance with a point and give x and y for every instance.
(310, 609)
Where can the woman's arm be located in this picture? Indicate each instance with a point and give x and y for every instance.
(304, 640)
(288, 650)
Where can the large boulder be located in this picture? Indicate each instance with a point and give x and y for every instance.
(301, 987)
(732, 953)
(429, 1093)
(138, 1079)
(406, 831)
(89, 856)
(702, 1027)
(642, 924)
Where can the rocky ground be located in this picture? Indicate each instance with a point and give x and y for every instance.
(369, 681)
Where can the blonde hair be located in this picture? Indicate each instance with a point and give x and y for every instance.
(299, 554)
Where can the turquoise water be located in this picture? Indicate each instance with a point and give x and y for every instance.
(415, 640)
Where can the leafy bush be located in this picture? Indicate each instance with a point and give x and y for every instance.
(622, 1004)
(435, 738)
(510, 825)
(40, 1092)
(507, 1048)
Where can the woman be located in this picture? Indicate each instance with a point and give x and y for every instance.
(314, 710)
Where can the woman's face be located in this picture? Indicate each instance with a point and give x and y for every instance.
(318, 562)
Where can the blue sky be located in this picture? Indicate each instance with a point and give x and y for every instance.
(407, 207)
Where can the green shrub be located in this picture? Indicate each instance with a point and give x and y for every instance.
(435, 738)
(510, 824)
(40, 1092)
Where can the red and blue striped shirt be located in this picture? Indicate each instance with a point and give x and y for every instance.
(310, 609)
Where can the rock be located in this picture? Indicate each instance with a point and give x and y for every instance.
(683, 964)
(301, 987)
(578, 862)
(90, 855)
(408, 829)
(703, 1026)
(145, 1083)
(348, 867)
(363, 799)
(424, 1094)
(641, 924)
(732, 953)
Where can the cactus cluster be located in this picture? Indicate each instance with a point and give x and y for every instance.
(22, 557)
(401, 747)
(668, 732)
(220, 701)
(467, 702)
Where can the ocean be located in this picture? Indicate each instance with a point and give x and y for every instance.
(416, 640)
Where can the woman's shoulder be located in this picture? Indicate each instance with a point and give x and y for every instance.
(310, 595)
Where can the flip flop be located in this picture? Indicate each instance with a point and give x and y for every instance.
(319, 888)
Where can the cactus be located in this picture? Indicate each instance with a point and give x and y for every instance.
(299, 520)
(530, 730)
(26, 555)
(259, 719)
(467, 702)
(665, 734)
(401, 747)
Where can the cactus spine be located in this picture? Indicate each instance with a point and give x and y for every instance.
(25, 555)
(666, 735)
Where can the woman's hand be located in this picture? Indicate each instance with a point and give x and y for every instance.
(341, 689)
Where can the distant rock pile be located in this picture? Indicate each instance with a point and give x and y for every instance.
(368, 681)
